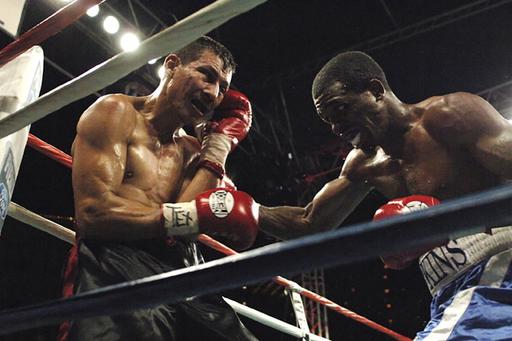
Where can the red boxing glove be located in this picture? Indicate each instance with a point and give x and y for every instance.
(233, 117)
(220, 212)
(230, 124)
(405, 205)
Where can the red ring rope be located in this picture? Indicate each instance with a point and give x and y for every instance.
(61, 157)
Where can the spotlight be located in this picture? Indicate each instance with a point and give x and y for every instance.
(93, 11)
(152, 61)
(129, 42)
(111, 24)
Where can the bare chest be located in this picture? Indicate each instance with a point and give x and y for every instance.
(155, 171)
(429, 168)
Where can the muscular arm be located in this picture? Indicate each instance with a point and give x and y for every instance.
(330, 206)
(197, 179)
(468, 122)
(99, 161)
(472, 123)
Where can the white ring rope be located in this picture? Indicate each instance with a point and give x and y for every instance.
(171, 39)
(272, 322)
(33, 219)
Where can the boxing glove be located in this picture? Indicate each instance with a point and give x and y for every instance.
(230, 124)
(405, 205)
(220, 212)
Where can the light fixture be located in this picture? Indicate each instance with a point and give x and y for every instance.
(152, 61)
(129, 42)
(111, 24)
(93, 11)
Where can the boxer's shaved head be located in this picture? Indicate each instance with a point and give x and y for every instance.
(354, 69)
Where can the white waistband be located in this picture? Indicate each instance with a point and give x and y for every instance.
(445, 263)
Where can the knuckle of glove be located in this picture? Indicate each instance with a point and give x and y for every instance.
(234, 100)
(405, 205)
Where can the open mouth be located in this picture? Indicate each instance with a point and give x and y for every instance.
(202, 108)
(356, 140)
(352, 135)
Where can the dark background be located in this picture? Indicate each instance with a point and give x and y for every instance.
(427, 48)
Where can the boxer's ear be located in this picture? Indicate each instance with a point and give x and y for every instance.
(171, 62)
(376, 87)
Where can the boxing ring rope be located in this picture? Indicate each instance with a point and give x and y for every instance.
(49, 150)
(30, 218)
(291, 285)
(170, 39)
(46, 28)
(271, 321)
(450, 220)
(35, 220)
(61, 157)
(356, 242)
(42, 31)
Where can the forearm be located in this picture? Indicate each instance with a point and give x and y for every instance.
(327, 211)
(203, 180)
(116, 218)
(284, 222)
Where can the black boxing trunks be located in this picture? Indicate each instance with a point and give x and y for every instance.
(99, 264)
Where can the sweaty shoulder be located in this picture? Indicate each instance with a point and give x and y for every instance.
(190, 143)
(354, 164)
(459, 117)
(110, 116)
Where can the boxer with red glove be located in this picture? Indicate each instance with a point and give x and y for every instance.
(222, 212)
(405, 205)
(230, 124)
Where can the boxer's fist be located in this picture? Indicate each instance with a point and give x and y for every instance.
(233, 117)
(405, 205)
(229, 125)
(220, 212)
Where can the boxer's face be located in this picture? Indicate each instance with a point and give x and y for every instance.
(198, 87)
(349, 113)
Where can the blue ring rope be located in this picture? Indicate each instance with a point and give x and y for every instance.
(452, 219)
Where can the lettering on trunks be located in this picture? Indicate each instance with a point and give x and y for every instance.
(441, 262)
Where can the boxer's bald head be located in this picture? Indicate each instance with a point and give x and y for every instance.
(354, 69)
(193, 51)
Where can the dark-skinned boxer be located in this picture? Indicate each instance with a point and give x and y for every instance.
(444, 147)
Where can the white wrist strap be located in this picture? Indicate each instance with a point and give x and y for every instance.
(180, 219)
(215, 148)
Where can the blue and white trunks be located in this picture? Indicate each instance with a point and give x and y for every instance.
(471, 282)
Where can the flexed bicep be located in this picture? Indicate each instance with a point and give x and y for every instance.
(99, 150)
(100, 155)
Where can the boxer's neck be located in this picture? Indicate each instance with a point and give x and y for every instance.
(401, 117)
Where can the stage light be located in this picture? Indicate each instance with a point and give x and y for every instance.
(93, 11)
(111, 24)
(129, 42)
